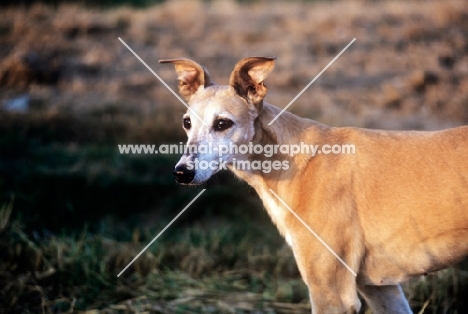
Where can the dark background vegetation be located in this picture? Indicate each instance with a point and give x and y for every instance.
(74, 212)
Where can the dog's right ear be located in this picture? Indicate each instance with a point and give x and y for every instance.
(248, 76)
(191, 76)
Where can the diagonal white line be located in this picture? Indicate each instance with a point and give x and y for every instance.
(159, 234)
(311, 82)
(161, 80)
(315, 234)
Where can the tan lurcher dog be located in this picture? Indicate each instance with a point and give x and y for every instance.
(395, 209)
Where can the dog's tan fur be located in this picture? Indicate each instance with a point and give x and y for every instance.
(395, 209)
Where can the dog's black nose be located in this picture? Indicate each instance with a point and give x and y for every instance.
(184, 175)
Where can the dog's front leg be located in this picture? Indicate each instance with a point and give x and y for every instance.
(332, 287)
(338, 296)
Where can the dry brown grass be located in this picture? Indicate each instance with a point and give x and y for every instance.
(371, 85)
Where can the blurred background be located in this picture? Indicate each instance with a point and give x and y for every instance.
(74, 212)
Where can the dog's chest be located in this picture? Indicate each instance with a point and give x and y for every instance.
(276, 211)
(272, 205)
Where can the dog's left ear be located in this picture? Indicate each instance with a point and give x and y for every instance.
(248, 76)
(191, 76)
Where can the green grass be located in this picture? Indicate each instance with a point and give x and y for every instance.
(190, 268)
(213, 266)
(74, 213)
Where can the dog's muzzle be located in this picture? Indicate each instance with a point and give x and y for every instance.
(183, 175)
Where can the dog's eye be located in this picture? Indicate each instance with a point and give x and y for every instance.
(187, 123)
(222, 124)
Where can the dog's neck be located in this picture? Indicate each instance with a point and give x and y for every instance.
(288, 129)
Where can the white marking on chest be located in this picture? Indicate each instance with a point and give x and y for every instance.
(276, 212)
(289, 239)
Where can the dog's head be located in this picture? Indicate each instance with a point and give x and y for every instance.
(218, 115)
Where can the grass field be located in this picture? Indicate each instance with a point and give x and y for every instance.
(74, 212)
(210, 266)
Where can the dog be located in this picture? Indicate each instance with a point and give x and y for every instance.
(395, 209)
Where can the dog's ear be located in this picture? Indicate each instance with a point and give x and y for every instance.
(248, 76)
(191, 76)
